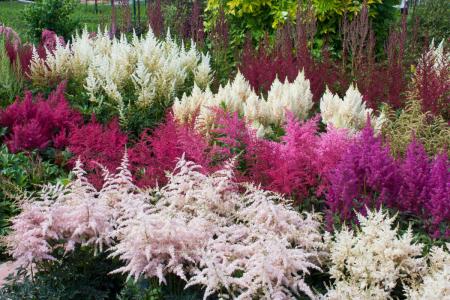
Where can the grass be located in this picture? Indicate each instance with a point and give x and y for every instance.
(11, 16)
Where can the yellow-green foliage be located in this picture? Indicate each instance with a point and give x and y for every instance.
(432, 131)
(260, 16)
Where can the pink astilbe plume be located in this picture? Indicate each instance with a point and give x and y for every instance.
(95, 144)
(329, 151)
(40, 123)
(156, 153)
(414, 171)
(287, 167)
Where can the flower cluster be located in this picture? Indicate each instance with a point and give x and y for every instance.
(204, 228)
(238, 96)
(431, 80)
(367, 175)
(145, 70)
(369, 263)
(349, 112)
(37, 124)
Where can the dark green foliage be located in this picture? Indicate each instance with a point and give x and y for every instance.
(78, 275)
(434, 19)
(55, 15)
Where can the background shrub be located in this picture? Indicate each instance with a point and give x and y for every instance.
(55, 15)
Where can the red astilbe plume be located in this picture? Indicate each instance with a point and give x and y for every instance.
(39, 124)
(156, 153)
(155, 17)
(431, 83)
(97, 146)
(196, 22)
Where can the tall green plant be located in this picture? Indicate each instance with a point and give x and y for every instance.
(55, 15)
(11, 82)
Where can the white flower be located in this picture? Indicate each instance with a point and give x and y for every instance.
(349, 112)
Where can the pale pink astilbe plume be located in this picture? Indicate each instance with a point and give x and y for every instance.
(153, 245)
(271, 245)
(205, 228)
(28, 243)
(166, 237)
(60, 217)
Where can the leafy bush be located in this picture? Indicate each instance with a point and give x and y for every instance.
(79, 275)
(433, 19)
(54, 15)
(259, 17)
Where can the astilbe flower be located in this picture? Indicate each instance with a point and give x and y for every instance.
(61, 217)
(366, 175)
(369, 263)
(435, 283)
(95, 144)
(431, 80)
(238, 96)
(156, 153)
(204, 227)
(105, 68)
(290, 169)
(414, 171)
(40, 123)
(329, 150)
(438, 205)
(349, 112)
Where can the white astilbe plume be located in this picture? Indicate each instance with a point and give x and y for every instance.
(435, 283)
(109, 68)
(203, 75)
(437, 55)
(295, 97)
(238, 96)
(369, 263)
(349, 112)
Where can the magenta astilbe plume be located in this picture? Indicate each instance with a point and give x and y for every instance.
(95, 144)
(438, 205)
(366, 176)
(39, 124)
(414, 171)
(49, 40)
(158, 152)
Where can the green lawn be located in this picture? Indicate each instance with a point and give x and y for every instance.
(11, 15)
